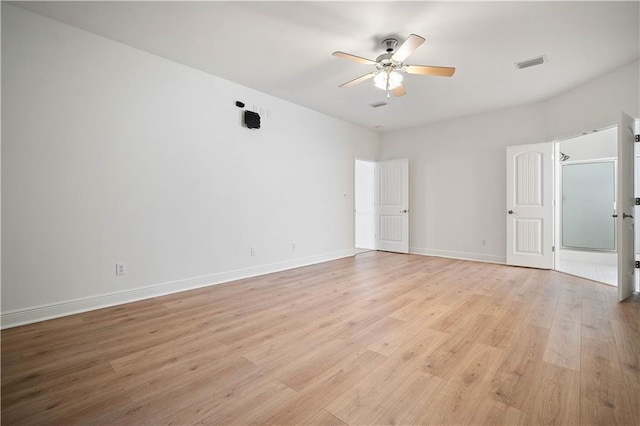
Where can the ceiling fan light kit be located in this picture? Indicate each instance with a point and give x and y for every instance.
(390, 66)
(387, 80)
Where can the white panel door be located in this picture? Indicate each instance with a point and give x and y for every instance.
(530, 205)
(392, 202)
(625, 207)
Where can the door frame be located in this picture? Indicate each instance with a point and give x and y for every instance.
(557, 191)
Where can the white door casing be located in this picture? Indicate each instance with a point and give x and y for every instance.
(392, 206)
(625, 207)
(530, 205)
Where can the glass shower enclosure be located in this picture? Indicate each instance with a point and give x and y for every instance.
(588, 205)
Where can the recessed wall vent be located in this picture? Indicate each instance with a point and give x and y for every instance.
(378, 104)
(531, 62)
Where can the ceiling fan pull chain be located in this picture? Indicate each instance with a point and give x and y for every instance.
(388, 75)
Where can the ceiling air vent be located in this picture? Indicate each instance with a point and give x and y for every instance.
(378, 104)
(531, 62)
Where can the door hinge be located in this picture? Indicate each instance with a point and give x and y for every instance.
(637, 138)
(553, 248)
(637, 264)
(637, 201)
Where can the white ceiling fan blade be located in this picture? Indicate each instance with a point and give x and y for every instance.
(359, 79)
(399, 91)
(354, 58)
(429, 70)
(408, 47)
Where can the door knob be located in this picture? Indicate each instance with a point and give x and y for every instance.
(624, 216)
(614, 215)
(510, 212)
(404, 211)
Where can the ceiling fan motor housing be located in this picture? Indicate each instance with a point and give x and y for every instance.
(384, 62)
(389, 44)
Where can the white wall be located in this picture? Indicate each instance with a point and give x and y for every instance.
(114, 155)
(457, 167)
(595, 105)
(593, 146)
(456, 179)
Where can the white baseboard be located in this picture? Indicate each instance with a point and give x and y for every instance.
(478, 257)
(55, 310)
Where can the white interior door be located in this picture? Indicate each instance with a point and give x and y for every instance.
(392, 206)
(530, 205)
(626, 207)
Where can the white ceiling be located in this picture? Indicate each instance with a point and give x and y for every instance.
(284, 48)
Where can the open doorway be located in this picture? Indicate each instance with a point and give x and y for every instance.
(364, 206)
(586, 243)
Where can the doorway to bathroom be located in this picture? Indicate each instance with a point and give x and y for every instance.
(586, 243)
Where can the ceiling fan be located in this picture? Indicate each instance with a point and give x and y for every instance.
(390, 66)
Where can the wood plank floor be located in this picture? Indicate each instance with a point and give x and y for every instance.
(380, 338)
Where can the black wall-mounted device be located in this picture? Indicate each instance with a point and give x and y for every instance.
(251, 120)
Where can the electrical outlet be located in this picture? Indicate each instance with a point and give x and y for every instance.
(121, 268)
(253, 251)
(484, 243)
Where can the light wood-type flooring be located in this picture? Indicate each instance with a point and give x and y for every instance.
(379, 338)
